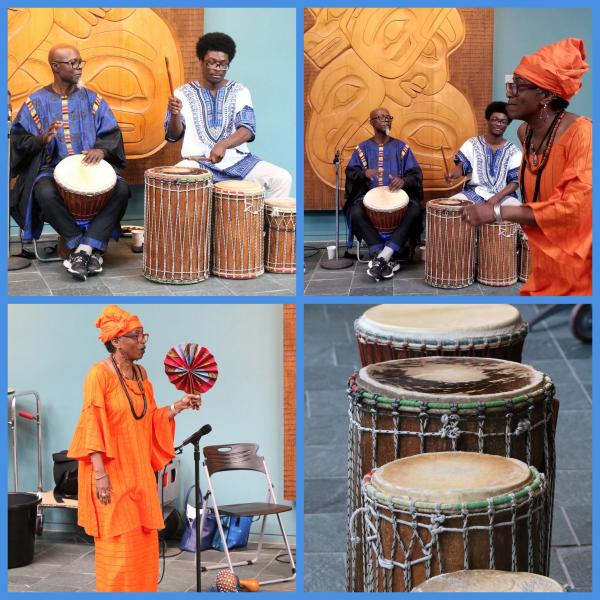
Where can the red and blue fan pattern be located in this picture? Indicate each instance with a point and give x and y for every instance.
(191, 368)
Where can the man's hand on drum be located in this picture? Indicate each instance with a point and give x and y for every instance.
(396, 183)
(479, 214)
(371, 173)
(93, 156)
(218, 152)
(51, 131)
(174, 105)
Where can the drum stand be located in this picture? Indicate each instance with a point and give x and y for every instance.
(337, 262)
(15, 263)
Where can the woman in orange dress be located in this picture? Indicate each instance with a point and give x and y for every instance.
(121, 439)
(556, 173)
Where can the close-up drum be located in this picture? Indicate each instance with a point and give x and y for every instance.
(177, 216)
(497, 254)
(435, 404)
(437, 513)
(486, 580)
(237, 240)
(385, 208)
(84, 188)
(391, 331)
(280, 235)
(450, 250)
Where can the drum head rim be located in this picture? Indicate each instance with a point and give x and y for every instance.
(451, 204)
(191, 174)
(104, 170)
(400, 199)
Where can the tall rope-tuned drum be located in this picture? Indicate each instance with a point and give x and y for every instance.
(177, 217)
(385, 209)
(435, 404)
(238, 251)
(84, 189)
(450, 249)
(391, 331)
(280, 235)
(497, 254)
(430, 514)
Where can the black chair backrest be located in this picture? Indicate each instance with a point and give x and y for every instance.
(233, 457)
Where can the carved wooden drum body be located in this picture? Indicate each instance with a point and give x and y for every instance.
(385, 208)
(280, 235)
(392, 331)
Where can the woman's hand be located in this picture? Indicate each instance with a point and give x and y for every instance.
(479, 214)
(103, 488)
(193, 401)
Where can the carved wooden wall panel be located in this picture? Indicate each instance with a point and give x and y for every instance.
(289, 401)
(124, 49)
(430, 67)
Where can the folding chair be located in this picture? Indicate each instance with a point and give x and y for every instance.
(243, 457)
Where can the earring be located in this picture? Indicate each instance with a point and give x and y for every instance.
(543, 115)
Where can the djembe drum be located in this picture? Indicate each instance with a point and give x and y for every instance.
(237, 242)
(497, 254)
(385, 208)
(280, 235)
(177, 217)
(437, 513)
(450, 247)
(84, 188)
(524, 264)
(391, 331)
(486, 580)
(436, 404)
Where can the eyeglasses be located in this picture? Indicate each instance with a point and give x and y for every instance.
(76, 63)
(512, 88)
(499, 121)
(382, 118)
(220, 66)
(137, 336)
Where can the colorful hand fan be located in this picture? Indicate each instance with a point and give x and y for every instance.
(191, 368)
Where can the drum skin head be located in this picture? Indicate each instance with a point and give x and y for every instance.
(448, 379)
(451, 477)
(381, 198)
(449, 203)
(239, 185)
(442, 321)
(74, 176)
(282, 204)
(481, 580)
(177, 172)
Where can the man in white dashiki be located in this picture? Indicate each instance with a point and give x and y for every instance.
(382, 160)
(62, 119)
(491, 162)
(216, 120)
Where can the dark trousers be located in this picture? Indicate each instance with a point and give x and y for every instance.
(100, 228)
(363, 229)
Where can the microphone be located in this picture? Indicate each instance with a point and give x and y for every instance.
(192, 439)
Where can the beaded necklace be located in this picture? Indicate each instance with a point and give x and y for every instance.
(124, 386)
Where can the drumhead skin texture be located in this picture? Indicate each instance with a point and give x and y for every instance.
(443, 321)
(446, 379)
(178, 173)
(74, 176)
(451, 477)
(481, 580)
(240, 185)
(282, 204)
(381, 198)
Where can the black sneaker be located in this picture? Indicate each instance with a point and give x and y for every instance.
(95, 261)
(77, 264)
(379, 269)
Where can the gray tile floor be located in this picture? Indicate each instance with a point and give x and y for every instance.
(65, 563)
(409, 281)
(330, 356)
(122, 276)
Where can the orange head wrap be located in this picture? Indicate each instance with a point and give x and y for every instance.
(557, 67)
(114, 321)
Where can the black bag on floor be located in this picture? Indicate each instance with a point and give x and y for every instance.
(65, 476)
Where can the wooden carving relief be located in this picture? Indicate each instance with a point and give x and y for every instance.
(125, 50)
(360, 59)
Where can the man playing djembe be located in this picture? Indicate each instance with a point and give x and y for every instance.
(382, 161)
(59, 120)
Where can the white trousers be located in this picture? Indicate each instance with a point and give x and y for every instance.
(276, 182)
(510, 201)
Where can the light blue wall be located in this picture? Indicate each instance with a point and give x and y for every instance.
(517, 32)
(51, 348)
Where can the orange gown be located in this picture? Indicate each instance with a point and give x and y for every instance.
(125, 531)
(561, 244)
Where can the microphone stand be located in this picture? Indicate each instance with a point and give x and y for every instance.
(337, 262)
(15, 263)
